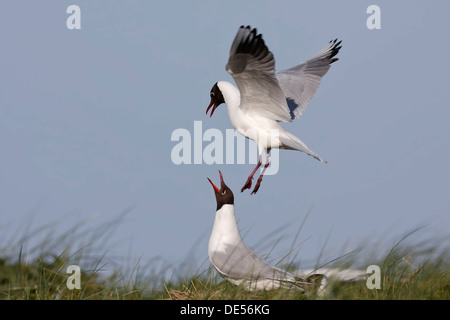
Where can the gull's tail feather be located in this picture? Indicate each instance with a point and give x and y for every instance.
(336, 274)
(289, 141)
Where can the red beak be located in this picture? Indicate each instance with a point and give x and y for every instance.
(212, 104)
(214, 186)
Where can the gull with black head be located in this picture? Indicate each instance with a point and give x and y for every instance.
(238, 263)
(262, 98)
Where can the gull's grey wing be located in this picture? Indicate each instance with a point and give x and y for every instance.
(241, 262)
(301, 82)
(252, 66)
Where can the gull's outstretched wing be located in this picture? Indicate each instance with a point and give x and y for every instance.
(301, 82)
(252, 66)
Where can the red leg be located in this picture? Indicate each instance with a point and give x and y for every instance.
(258, 183)
(248, 184)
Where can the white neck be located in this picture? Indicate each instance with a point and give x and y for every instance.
(225, 230)
(231, 96)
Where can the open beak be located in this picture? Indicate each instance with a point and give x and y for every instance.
(214, 186)
(212, 104)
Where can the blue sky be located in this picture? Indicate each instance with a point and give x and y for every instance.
(86, 118)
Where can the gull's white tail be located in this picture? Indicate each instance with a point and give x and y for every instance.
(290, 141)
(340, 275)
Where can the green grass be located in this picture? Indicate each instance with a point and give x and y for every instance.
(409, 270)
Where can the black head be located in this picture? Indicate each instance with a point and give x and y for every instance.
(216, 99)
(224, 195)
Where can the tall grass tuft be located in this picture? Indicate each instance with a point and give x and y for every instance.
(34, 262)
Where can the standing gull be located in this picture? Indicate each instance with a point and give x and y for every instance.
(238, 263)
(263, 98)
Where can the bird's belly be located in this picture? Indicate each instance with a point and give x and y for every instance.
(264, 138)
(264, 132)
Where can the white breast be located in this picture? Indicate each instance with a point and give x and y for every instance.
(225, 231)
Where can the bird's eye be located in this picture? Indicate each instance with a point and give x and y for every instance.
(224, 192)
(212, 94)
